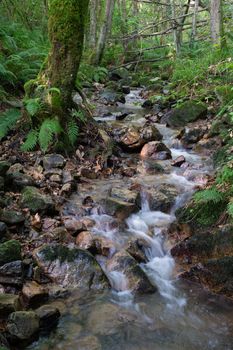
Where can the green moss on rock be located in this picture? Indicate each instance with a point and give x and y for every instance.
(36, 201)
(187, 112)
(10, 251)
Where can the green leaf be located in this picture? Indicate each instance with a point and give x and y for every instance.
(30, 141)
(72, 131)
(8, 120)
(48, 130)
(209, 195)
(33, 105)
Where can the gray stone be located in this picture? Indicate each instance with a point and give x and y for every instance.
(36, 201)
(23, 326)
(71, 267)
(11, 217)
(53, 161)
(18, 181)
(8, 304)
(10, 251)
(187, 112)
(48, 317)
(137, 280)
(12, 273)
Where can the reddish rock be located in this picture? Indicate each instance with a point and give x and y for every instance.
(178, 161)
(155, 150)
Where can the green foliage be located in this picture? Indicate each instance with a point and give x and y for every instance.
(8, 120)
(90, 74)
(230, 209)
(31, 141)
(33, 105)
(72, 131)
(49, 129)
(210, 195)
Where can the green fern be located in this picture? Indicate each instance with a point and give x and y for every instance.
(72, 131)
(33, 105)
(225, 175)
(230, 209)
(31, 141)
(48, 130)
(8, 120)
(209, 195)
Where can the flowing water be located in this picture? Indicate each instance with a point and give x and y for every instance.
(180, 316)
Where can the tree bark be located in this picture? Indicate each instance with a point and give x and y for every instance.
(216, 23)
(93, 23)
(104, 31)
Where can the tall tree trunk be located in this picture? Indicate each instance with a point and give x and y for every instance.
(104, 31)
(175, 30)
(93, 23)
(216, 23)
(194, 23)
(57, 77)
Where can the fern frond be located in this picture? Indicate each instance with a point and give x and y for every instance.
(33, 105)
(230, 209)
(209, 195)
(72, 131)
(31, 141)
(8, 120)
(48, 130)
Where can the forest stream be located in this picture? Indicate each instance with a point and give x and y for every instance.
(180, 314)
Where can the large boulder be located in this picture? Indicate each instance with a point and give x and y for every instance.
(132, 138)
(48, 317)
(137, 280)
(8, 304)
(23, 327)
(10, 251)
(36, 201)
(155, 150)
(187, 112)
(70, 267)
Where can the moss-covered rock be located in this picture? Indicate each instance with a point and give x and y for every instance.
(23, 327)
(11, 217)
(8, 304)
(4, 166)
(36, 201)
(10, 251)
(72, 267)
(187, 112)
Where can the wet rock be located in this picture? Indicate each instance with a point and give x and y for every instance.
(132, 139)
(11, 217)
(137, 249)
(89, 173)
(155, 150)
(3, 229)
(48, 317)
(2, 183)
(111, 97)
(216, 274)
(147, 104)
(89, 342)
(66, 189)
(10, 251)
(161, 197)
(12, 273)
(17, 181)
(4, 345)
(55, 178)
(66, 177)
(178, 161)
(36, 201)
(71, 267)
(193, 135)
(119, 73)
(23, 327)
(125, 89)
(8, 304)
(119, 208)
(74, 225)
(187, 112)
(105, 320)
(94, 244)
(33, 294)
(53, 161)
(152, 167)
(4, 166)
(137, 280)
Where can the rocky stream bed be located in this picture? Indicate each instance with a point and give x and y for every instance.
(88, 248)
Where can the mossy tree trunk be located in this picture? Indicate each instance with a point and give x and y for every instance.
(66, 32)
(66, 26)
